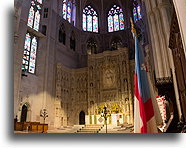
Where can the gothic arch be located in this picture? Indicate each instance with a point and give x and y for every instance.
(115, 43)
(25, 112)
(90, 18)
(62, 34)
(91, 46)
(91, 3)
(115, 18)
(82, 117)
(72, 41)
(67, 10)
(137, 11)
(117, 3)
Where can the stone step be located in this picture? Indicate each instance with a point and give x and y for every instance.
(93, 125)
(87, 131)
(90, 129)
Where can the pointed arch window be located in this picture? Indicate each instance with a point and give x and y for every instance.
(115, 19)
(69, 11)
(90, 19)
(29, 56)
(34, 14)
(136, 11)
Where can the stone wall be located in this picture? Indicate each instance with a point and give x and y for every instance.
(71, 95)
(38, 91)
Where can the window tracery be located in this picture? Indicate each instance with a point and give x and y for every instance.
(136, 11)
(29, 56)
(34, 14)
(69, 10)
(115, 19)
(90, 19)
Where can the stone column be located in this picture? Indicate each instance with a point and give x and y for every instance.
(157, 21)
(166, 27)
(176, 93)
(163, 47)
(181, 15)
(166, 20)
(159, 24)
(156, 51)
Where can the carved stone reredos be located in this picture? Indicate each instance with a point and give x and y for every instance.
(106, 80)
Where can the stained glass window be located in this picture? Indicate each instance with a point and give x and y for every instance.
(89, 23)
(64, 9)
(36, 21)
(95, 24)
(31, 17)
(90, 19)
(116, 22)
(29, 56)
(110, 24)
(139, 12)
(39, 1)
(136, 11)
(84, 22)
(135, 14)
(121, 21)
(69, 10)
(33, 55)
(34, 14)
(115, 19)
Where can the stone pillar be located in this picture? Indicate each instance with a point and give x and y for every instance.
(159, 26)
(166, 26)
(181, 15)
(159, 23)
(19, 113)
(165, 21)
(57, 123)
(176, 93)
(156, 51)
(163, 47)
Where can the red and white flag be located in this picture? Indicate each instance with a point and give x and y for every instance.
(144, 115)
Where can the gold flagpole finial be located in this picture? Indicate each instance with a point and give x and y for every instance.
(133, 30)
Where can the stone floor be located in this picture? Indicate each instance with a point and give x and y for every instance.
(73, 129)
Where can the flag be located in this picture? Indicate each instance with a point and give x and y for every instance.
(144, 116)
(157, 112)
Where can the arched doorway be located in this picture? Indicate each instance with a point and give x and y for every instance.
(82, 118)
(24, 112)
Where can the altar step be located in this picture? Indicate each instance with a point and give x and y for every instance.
(94, 128)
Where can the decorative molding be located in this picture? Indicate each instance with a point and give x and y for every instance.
(163, 81)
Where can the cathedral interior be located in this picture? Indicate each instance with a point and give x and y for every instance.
(74, 57)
